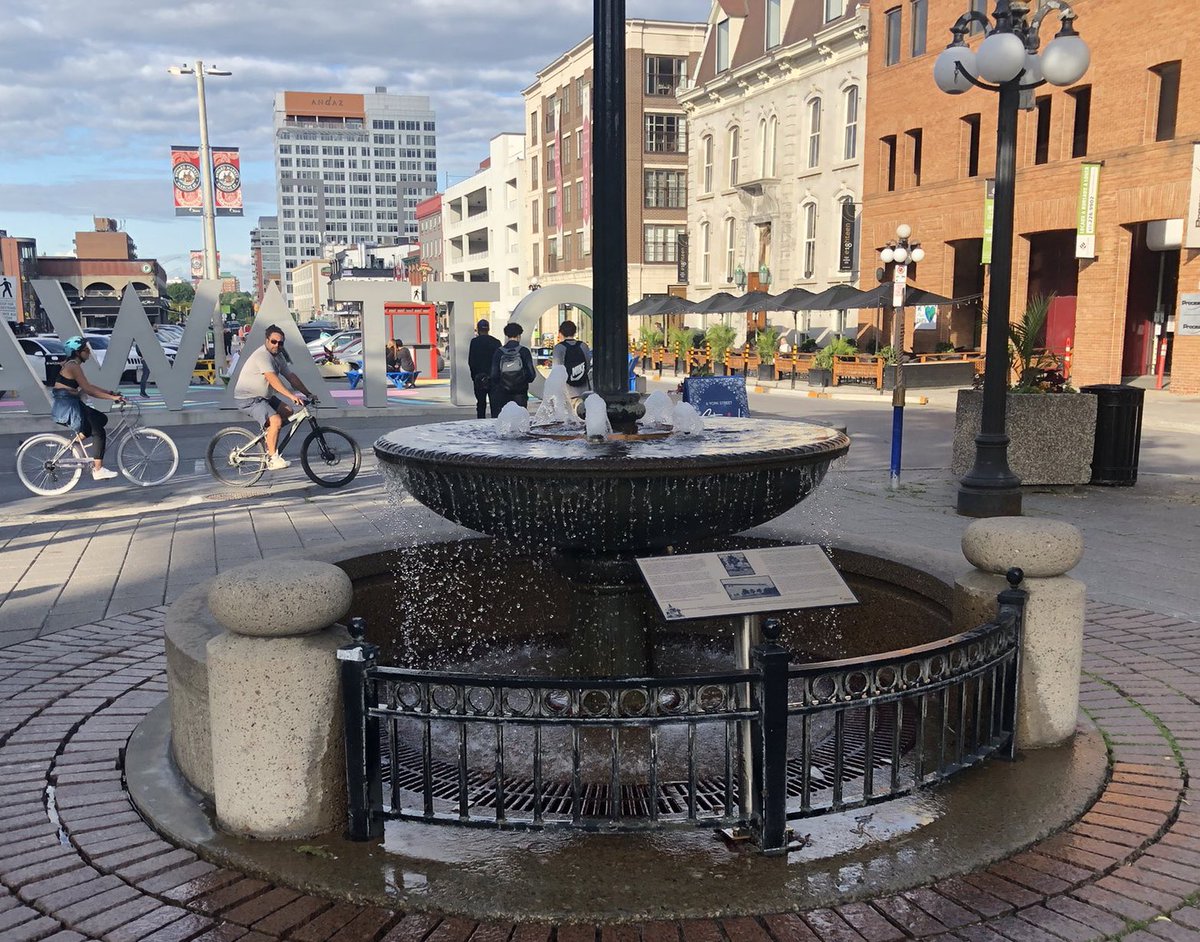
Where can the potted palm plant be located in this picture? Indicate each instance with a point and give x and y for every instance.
(821, 371)
(720, 338)
(766, 343)
(650, 338)
(679, 340)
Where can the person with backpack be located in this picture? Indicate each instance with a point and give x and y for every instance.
(576, 357)
(512, 370)
(479, 361)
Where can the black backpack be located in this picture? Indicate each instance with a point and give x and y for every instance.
(575, 362)
(512, 369)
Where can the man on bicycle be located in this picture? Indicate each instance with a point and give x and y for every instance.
(260, 374)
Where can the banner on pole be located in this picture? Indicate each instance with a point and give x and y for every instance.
(847, 253)
(989, 220)
(559, 208)
(227, 181)
(185, 171)
(1089, 195)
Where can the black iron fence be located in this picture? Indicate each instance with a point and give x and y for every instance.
(750, 749)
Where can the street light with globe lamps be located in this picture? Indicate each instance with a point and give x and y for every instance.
(1007, 62)
(899, 253)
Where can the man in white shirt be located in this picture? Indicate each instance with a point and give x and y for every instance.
(260, 375)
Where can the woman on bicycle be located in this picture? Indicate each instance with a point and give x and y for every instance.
(70, 409)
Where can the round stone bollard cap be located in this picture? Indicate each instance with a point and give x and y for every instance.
(1042, 548)
(280, 598)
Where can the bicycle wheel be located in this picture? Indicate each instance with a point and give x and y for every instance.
(38, 468)
(147, 457)
(330, 457)
(237, 457)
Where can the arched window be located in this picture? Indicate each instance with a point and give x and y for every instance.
(706, 171)
(762, 147)
(704, 266)
(729, 250)
(850, 140)
(772, 144)
(810, 239)
(814, 132)
(734, 154)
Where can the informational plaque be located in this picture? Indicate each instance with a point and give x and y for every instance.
(1188, 323)
(740, 582)
(717, 395)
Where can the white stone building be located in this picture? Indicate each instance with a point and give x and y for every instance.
(776, 109)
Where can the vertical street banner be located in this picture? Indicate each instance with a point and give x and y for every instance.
(227, 181)
(185, 172)
(197, 265)
(1191, 238)
(1089, 196)
(586, 159)
(559, 209)
(989, 220)
(681, 258)
(846, 251)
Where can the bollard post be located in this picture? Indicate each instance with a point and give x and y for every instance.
(768, 737)
(364, 781)
(1011, 604)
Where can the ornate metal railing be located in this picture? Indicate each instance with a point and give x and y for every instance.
(753, 748)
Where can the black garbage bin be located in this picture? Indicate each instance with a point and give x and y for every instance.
(1118, 433)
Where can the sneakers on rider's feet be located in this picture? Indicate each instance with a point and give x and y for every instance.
(103, 474)
(277, 463)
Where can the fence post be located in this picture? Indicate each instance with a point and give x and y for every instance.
(1011, 603)
(768, 735)
(364, 781)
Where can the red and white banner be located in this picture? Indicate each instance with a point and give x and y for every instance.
(185, 171)
(227, 181)
(559, 209)
(586, 155)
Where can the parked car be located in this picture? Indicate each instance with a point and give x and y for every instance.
(336, 343)
(317, 330)
(46, 355)
(133, 362)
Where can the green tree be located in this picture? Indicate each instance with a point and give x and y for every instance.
(180, 292)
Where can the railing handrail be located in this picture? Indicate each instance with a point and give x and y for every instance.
(552, 683)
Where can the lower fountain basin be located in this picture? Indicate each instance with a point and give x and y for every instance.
(613, 497)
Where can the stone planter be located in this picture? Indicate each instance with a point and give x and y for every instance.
(932, 375)
(819, 377)
(1052, 435)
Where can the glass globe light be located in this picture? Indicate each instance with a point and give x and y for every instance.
(1033, 69)
(1001, 57)
(918, 255)
(945, 69)
(887, 255)
(900, 254)
(1065, 59)
(903, 231)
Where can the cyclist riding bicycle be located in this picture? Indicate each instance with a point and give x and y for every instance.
(69, 408)
(260, 375)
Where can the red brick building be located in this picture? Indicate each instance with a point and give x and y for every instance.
(1136, 111)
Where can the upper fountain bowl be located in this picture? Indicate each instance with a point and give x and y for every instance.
(614, 497)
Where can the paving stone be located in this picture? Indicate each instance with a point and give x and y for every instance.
(831, 927)
(748, 929)
(144, 925)
(296, 913)
(1056, 923)
(869, 922)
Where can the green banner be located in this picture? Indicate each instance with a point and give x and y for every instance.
(1089, 196)
(989, 220)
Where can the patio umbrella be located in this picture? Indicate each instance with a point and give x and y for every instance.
(832, 299)
(794, 299)
(646, 306)
(755, 301)
(881, 296)
(721, 303)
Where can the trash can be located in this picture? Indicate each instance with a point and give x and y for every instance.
(1118, 433)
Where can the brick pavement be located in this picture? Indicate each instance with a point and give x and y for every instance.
(76, 862)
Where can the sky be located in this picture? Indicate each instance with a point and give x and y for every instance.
(88, 112)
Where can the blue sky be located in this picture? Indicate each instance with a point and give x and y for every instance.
(88, 112)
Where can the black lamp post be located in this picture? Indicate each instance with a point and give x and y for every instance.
(1007, 62)
(610, 272)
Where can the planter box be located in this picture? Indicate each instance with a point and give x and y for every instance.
(1052, 435)
(932, 375)
(766, 371)
(718, 368)
(819, 377)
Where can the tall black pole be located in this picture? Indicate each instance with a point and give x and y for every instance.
(990, 489)
(610, 270)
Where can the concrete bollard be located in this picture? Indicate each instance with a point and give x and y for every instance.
(275, 699)
(1052, 648)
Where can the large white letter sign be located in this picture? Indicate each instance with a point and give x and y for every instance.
(461, 296)
(273, 312)
(18, 375)
(529, 313)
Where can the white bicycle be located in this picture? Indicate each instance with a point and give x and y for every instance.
(50, 464)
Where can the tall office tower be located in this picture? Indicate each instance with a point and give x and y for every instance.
(264, 254)
(350, 169)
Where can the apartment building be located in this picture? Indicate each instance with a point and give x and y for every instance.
(264, 255)
(429, 236)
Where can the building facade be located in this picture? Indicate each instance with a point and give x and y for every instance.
(350, 168)
(556, 223)
(929, 157)
(775, 163)
(429, 237)
(481, 218)
(18, 261)
(264, 255)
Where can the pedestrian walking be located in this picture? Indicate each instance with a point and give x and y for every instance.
(512, 370)
(576, 357)
(479, 364)
(143, 370)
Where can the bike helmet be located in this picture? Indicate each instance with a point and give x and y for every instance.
(74, 344)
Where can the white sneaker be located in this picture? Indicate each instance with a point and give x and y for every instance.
(103, 474)
(277, 463)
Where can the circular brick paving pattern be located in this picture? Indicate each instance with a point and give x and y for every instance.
(77, 862)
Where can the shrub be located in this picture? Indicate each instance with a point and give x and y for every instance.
(720, 338)
(766, 342)
(679, 339)
(840, 347)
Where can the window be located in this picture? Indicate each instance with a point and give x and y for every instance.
(810, 240)
(663, 74)
(1168, 100)
(919, 25)
(549, 163)
(665, 189)
(734, 153)
(773, 35)
(665, 133)
(533, 173)
(1083, 118)
(723, 45)
(850, 139)
(814, 132)
(704, 267)
(770, 138)
(660, 243)
(889, 161)
(550, 115)
(977, 6)
(971, 127)
(762, 147)
(834, 9)
(891, 33)
(706, 170)
(729, 249)
(916, 138)
(1041, 148)
(552, 209)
